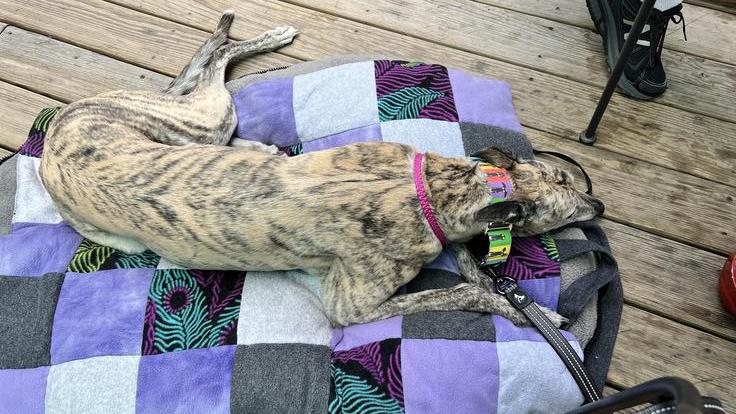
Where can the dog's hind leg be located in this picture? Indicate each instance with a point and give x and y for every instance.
(465, 296)
(91, 232)
(214, 72)
(189, 76)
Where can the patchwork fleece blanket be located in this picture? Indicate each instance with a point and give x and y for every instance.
(85, 328)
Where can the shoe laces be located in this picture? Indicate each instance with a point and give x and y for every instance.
(658, 23)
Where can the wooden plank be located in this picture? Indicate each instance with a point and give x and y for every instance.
(67, 72)
(696, 85)
(670, 279)
(650, 346)
(728, 6)
(20, 108)
(647, 131)
(134, 37)
(711, 33)
(653, 198)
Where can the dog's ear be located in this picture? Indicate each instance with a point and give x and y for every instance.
(505, 212)
(496, 157)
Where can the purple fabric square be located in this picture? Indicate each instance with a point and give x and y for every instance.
(192, 381)
(410, 90)
(266, 113)
(35, 249)
(432, 367)
(506, 331)
(23, 390)
(100, 314)
(362, 134)
(356, 335)
(483, 101)
(445, 261)
(545, 292)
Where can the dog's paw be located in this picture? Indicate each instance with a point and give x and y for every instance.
(557, 319)
(283, 35)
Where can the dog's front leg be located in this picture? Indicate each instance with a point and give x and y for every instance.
(465, 296)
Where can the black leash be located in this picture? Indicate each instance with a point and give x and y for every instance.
(572, 161)
(522, 301)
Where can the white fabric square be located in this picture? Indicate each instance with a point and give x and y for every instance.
(95, 385)
(282, 307)
(32, 202)
(334, 100)
(165, 264)
(531, 365)
(441, 137)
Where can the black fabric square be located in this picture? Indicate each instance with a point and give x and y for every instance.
(27, 306)
(280, 378)
(433, 279)
(367, 378)
(448, 325)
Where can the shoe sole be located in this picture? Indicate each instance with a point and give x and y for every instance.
(600, 11)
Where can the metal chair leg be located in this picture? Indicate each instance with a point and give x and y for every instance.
(588, 136)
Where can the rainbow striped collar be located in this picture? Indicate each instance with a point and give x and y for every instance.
(499, 234)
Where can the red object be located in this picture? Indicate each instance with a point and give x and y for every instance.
(727, 286)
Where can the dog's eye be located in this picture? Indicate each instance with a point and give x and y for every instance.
(571, 214)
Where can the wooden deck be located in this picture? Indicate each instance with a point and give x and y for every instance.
(665, 169)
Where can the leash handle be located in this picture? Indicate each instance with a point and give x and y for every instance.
(572, 161)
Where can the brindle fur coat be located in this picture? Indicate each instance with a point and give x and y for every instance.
(137, 170)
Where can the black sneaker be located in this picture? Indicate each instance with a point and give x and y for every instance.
(644, 76)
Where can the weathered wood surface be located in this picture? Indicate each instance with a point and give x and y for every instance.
(650, 346)
(20, 108)
(546, 45)
(67, 72)
(669, 278)
(127, 35)
(651, 132)
(653, 198)
(728, 6)
(710, 33)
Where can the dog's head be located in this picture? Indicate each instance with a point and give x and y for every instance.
(544, 196)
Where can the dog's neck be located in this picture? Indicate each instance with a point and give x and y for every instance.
(457, 190)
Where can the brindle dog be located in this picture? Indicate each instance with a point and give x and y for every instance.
(137, 170)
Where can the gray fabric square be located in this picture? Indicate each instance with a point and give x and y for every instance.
(477, 137)
(27, 306)
(7, 193)
(280, 378)
(449, 325)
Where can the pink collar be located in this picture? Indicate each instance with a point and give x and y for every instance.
(424, 201)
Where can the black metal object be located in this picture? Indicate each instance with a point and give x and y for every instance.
(684, 396)
(588, 136)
